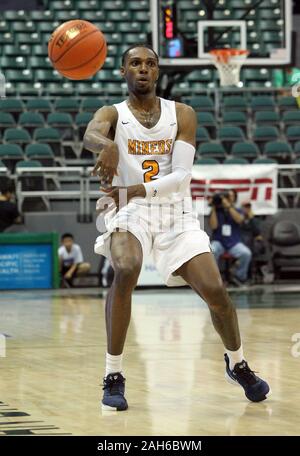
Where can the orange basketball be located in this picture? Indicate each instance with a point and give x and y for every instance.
(77, 49)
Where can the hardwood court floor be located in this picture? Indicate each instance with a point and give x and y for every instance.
(55, 347)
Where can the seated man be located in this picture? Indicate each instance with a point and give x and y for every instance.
(71, 260)
(225, 221)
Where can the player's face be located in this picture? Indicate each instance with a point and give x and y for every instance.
(140, 70)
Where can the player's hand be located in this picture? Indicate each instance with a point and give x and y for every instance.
(226, 203)
(106, 165)
(68, 275)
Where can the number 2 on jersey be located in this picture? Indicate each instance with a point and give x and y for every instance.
(153, 171)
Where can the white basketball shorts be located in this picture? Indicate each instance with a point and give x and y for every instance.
(172, 235)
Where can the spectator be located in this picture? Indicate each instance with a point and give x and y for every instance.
(9, 213)
(252, 238)
(225, 221)
(71, 260)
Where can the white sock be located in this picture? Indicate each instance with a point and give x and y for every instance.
(236, 356)
(113, 363)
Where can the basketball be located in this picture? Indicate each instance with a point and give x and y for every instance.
(77, 49)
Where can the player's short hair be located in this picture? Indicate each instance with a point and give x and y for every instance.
(143, 45)
(6, 185)
(67, 235)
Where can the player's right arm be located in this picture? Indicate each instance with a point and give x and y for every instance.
(97, 139)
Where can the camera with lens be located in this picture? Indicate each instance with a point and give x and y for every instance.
(217, 199)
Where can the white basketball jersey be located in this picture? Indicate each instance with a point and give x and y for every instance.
(145, 153)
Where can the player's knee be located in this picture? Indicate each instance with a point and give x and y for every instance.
(216, 296)
(127, 272)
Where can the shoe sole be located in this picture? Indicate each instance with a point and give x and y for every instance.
(233, 382)
(108, 408)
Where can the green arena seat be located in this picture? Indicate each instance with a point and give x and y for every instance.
(18, 75)
(231, 134)
(245, 150)
(10, 154)
(67, 105)
(6, 120)
(297, 148)
(10, 151)
(29, 164)
(212, 149)
(92, 104)
(6, 38)
(28, 38)
(279, 150)
(92, 16)
(202, 103)
(129, 27)
(265, 134)
(31, 120)
(61, 5)
(114, 5)
(41, 152)
(137, 5)
(46, 134)
(202, 134)
(17, 136)
(236, 161)
(293, 133)
(39, 50)
(51, 136)
(236, 118)
(87, 5)
(265, 161)
(206, 119)
(12, 15)
(59, 119)
(235, 103)
(24, 27)
(81, 121)
(291, 118)
(206, 161)
(36, 62)
(13, 50)
(267, 118)
(18, 62)
(262, 103)
(39, 104)
(40, 15)
(47, 76)
(287, 103)
(121, 16)
(66, 15)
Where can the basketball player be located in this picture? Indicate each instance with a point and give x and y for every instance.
(147, 146)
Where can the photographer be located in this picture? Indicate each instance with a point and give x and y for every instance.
(225, 221)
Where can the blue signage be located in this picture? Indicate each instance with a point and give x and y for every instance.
(25, 266)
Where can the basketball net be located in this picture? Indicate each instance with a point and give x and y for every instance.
(228, 63)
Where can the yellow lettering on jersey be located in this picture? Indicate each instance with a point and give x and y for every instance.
(161, 147)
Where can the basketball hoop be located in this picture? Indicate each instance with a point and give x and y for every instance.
(228, 63)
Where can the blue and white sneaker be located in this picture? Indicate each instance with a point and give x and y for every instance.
(255, 388)
(114, 389)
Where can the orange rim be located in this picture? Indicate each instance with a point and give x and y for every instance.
(223, 55)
